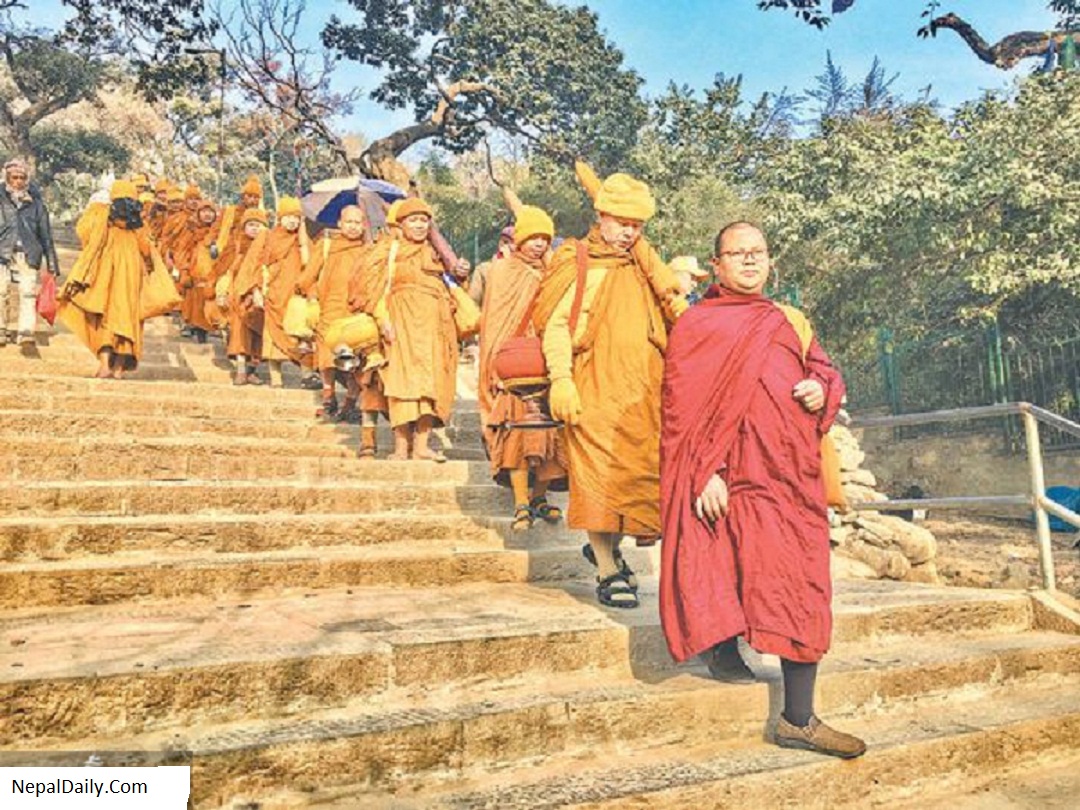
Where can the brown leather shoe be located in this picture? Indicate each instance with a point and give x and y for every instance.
(816, 736)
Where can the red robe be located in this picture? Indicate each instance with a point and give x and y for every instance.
(763, 570)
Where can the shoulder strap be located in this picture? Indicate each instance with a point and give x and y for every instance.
(801, 324)
(390, 262)
(579, 290)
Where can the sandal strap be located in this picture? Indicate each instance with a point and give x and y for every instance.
(616, 585)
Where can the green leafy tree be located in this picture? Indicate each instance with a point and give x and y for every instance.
(535, 69)
(42, 79)
(77, 150)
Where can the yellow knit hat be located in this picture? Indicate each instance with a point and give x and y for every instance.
(393, 212)
(254, 215)
(163, 185)
(252, 186)
(140, 179)
(192, 192)
(623, 196)
(289, 206)
(532, 221)
(411, 206)
(123, 189)
(146, 197)
(175, 194)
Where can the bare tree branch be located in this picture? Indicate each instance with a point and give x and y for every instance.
(1006, 53)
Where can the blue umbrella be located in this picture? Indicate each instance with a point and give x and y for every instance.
(324, 201)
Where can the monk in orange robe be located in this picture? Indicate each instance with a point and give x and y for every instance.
(510, 291)
(191, 256)
(365, 293)
(420, 378)
(604, 342)
(100, 300)
(271, 273)
(336, 257)
(171, 222)
(244, 346)
(748, 396)
(154, 216)
(231, 224)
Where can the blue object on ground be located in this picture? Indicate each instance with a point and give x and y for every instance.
(1069, 497)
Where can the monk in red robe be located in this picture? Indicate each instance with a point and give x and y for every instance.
(747, 396)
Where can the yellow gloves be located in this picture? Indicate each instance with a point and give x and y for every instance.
(677, 305)
(565, 402)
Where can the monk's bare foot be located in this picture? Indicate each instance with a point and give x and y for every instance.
(102, 374)
(398, 457)
(118, 374)
(429, 455)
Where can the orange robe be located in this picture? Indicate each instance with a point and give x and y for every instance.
(244, 338)
(191, 255)
(334, 260)
(100, 300)
(273, 265)
(172, 227)
(617, 367)
(228, 238)
(510, 290)
(420, 378)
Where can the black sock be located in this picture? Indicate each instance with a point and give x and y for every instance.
(798, 691)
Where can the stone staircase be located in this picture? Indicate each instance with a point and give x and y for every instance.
(189, 566)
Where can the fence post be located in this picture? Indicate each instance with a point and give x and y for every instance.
(887, 356)
(1038, 491)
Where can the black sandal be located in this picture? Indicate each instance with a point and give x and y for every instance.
(523, 519)
(548, 512)
(624, 569)
(616, 592)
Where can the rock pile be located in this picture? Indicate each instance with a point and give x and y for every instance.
(872, 545)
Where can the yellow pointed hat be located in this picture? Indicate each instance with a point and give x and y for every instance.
(623, 196)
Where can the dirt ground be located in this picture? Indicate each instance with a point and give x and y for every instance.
(999, 552)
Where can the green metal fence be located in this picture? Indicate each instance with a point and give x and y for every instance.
(968, 370)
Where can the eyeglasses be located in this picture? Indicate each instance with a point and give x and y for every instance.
(757, 254)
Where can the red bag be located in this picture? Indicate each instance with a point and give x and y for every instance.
(522, 358)
(46, 299)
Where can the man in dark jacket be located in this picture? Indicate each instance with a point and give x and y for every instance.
(26, 243)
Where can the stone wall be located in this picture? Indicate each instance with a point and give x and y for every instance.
(967, 464)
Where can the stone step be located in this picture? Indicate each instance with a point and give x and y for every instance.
(240, 575)
(483, 751)
(1049, 780)
(129, 668)
(28, 540)
(167, 397)
(129, 576)
(912, 748)
(89, 498)
(218, 458)
(77, 424)
(74, 367)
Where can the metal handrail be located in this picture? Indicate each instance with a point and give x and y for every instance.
(1043, 507)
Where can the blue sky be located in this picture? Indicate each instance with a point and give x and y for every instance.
(689, 41)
